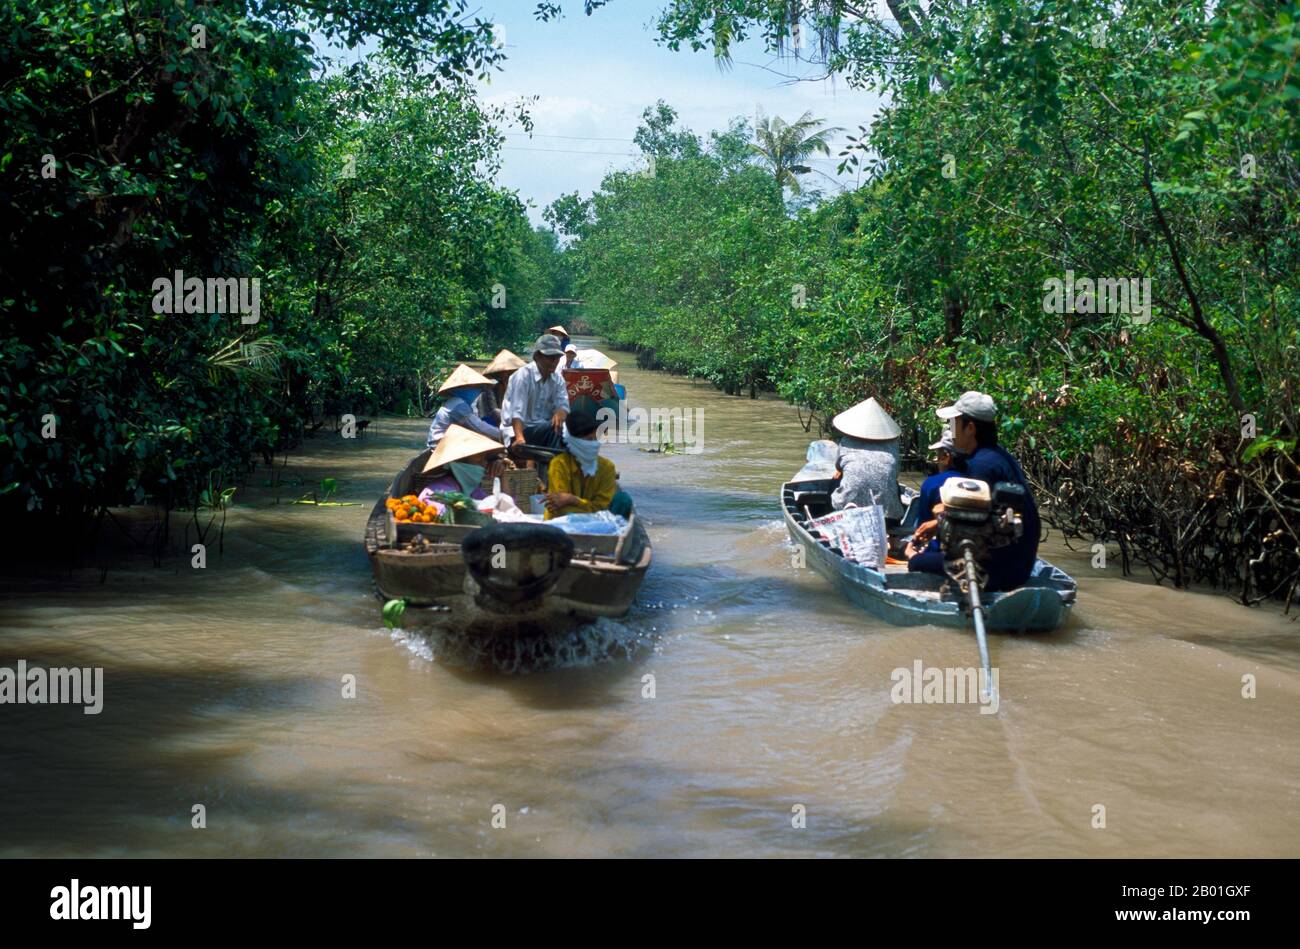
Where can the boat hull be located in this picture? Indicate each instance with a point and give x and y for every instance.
(601, 578)
(913, 599)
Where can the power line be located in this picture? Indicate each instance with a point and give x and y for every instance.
(577, 138)
(592, 138)
(565, 151)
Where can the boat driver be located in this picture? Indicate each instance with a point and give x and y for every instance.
(975, 435)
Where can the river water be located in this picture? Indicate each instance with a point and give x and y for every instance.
(223, 687)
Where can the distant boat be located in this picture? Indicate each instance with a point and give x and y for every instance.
(904, 598)
(592, 389)
(503, 575)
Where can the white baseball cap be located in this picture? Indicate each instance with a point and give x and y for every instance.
(973, 404)
(945, 442)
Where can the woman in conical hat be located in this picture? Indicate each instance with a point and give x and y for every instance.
(500, 369)
(867, 421)
(503, 362)
(461, 389)
(463, 377)
(561, 332)
(868, 459)
(460, 461)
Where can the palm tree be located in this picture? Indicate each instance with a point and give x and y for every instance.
(785, 146)
(258, 360)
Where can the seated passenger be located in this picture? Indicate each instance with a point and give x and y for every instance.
(975, 434)
(561, 333)
(499, 370)
(868, 459)
(951, 464)
(461, 389)
(579, 481)
(571, 360)
(460, 463)
(537, 399)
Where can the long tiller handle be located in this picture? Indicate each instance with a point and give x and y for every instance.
(977, 611)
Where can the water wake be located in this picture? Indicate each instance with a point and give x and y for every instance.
(532, 648)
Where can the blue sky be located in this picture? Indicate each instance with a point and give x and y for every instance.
(594, 76)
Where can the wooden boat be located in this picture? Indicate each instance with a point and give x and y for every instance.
(898, 596)
(591, 390)
(503, 575)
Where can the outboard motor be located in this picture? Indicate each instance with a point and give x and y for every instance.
(976, 520)
(514, 566)
(975, 516)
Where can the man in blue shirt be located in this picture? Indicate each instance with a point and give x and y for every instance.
(975, 434)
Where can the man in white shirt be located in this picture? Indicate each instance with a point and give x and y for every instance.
(537, 399)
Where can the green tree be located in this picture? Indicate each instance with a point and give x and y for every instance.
(144, 138)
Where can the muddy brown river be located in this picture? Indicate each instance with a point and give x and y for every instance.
(771, 730)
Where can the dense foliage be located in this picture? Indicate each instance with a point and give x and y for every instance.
(142, 138)
(1023, 141)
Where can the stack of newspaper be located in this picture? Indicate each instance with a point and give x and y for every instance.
(857, 532)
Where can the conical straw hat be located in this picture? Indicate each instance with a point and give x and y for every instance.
(505, 361)
(557, 328)
(464, 376)
(867, 420)
(459, 442)
(595, 359)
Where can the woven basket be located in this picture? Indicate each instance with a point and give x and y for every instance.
(520, 483)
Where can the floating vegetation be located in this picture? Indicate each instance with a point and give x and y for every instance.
(321, 498)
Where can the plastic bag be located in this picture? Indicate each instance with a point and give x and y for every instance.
(599, 522)
(512, 515)
(503, 508)
(821, 458)
(498, 500)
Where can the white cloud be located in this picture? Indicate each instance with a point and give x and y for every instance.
(594, 77)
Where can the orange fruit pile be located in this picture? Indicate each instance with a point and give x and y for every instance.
(410, 509)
